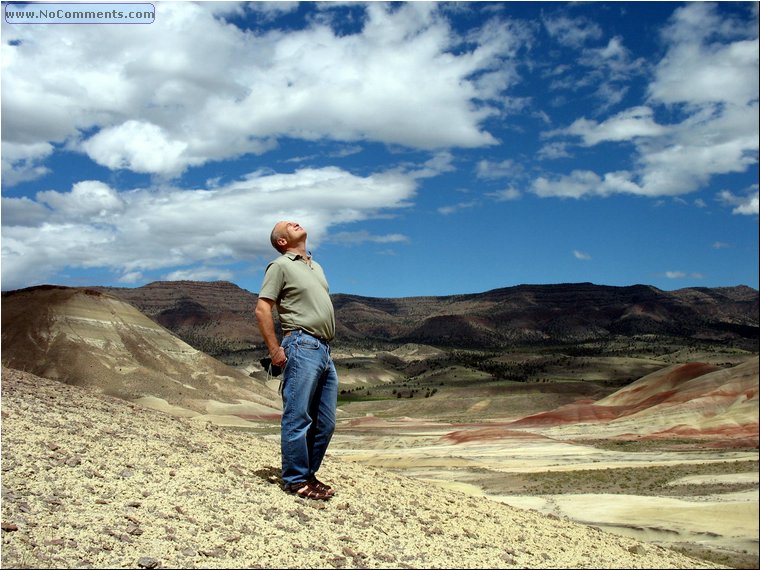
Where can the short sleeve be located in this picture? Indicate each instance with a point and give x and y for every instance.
(274, 281)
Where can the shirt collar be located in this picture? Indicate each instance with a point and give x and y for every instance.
(293, 256)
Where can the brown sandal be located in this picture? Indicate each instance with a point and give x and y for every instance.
(322, 486)
(308, 490)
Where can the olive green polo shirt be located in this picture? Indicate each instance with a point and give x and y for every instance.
(302, 295)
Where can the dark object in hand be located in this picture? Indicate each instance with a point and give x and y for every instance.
(273, 369)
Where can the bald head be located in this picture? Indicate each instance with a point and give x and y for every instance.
(286, 235)
(278, 231)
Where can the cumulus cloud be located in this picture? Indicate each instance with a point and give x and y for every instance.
(24, 212)
(584, 183)
(22, 162)
(140, 147)
(710, 73)
(141, 230)
(699, 70)
(625, 126)
(743, 205)
(87, 200)
(190, 89)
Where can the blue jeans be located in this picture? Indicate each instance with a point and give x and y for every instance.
(309, 402)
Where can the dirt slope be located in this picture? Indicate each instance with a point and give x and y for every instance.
(93, 481)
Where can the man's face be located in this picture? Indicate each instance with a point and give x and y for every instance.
(295, 226)
(291, 231)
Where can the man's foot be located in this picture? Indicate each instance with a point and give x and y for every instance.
(323, 486)
(308, 490)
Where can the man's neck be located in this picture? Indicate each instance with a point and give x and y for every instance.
(301, 250)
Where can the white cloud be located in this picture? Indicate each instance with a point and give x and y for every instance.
(625, 126)
(140, 147)
(271, 8)
(613, 57)
(572, 32)
(131, 277)
(581, 183)
(24, 212)
(144, 230)
(190, 88)
(710, 75)
(553, 151)
(448, 210)
(22, 162)
(700, 70)
(682, 275)
(711, 67)
(87, 200)
(675, 274)
(356, 238)
(488, 169)
(609, 66)
(199, 274)
(744, 205)
(582, 255)
(506, 195)
(441, 162)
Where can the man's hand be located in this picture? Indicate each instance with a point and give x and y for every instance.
(278, 357)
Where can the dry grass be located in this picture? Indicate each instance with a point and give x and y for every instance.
(646, 481)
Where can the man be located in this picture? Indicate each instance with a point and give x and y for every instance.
(297, 286)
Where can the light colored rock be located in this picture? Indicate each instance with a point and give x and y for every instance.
(201, 496)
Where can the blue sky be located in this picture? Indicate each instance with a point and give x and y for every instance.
(428, 148)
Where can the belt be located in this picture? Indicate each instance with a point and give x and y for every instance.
(319, 338)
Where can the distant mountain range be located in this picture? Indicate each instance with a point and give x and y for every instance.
(91, 338)
(216, 317)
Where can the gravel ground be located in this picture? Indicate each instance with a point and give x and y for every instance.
(93, 481)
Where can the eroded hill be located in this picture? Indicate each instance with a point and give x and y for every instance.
(87, 338)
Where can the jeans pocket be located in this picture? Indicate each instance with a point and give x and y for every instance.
(308, 343)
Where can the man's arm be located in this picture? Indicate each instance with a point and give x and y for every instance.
(266, 327)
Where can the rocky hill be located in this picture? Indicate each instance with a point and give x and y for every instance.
(692, 400)
(211, 316)
(217, 317)
(90, 481)
(88, 338)
(553, 314)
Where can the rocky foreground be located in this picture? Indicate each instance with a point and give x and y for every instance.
(94, 481)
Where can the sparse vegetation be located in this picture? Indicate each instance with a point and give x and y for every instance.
(739, 560)
(643, 445)
(647, 480)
